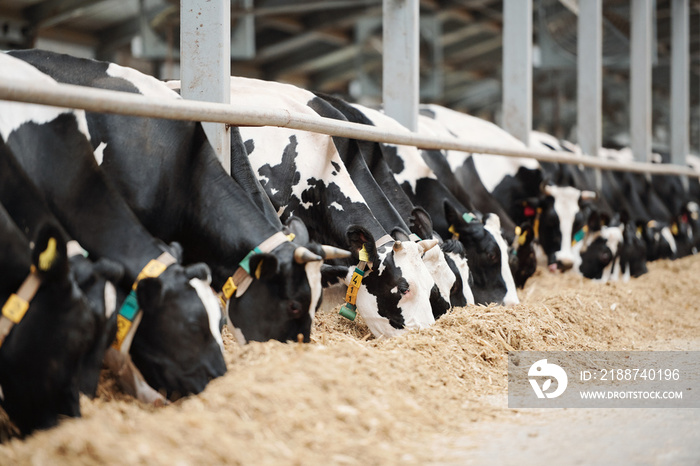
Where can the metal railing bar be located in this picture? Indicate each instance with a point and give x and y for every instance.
(124, 103)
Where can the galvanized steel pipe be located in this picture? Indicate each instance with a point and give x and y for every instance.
(124, 103)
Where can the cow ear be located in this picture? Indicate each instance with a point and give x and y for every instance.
(149, 293)
(332, 274)
(296, 226)
(200, 271)
(451, 213)
(420, 223)
(358, 237)
(263, 266)
(50, 256)
(176, 251)
(594, 221)
(110, 270)
(400, 234)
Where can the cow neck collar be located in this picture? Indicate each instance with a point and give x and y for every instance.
(129, 315)
(349, 309)
(16, 306)
(239, 282)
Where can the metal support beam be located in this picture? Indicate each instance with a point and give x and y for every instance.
(640, 79)
(517, 68)
(680, 81)
(400, 83)
(205, 60)
(590, 81)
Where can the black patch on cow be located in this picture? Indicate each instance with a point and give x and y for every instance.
(457, 298)
(336, 166)
(285, 174)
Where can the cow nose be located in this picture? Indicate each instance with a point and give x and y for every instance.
(565, 264)
(294, 309)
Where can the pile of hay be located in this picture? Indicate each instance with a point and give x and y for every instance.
(348, 398)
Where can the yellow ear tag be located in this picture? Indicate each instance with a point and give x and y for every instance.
(522, 238)
(15, 308)
(258, 270)
(47, 258)
(152, 270)
(229, 288)
(518, 230)
(364, 257)
(639, 232)
(674, 229)
(291, 236)
(453, 231)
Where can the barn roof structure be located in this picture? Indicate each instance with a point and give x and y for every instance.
(335, 46)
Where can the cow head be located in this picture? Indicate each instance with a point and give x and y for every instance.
(596, 254)
(659, 240)
(96, 280)
(456, 257)
(282, 300)
(558, 218)
(487, 254)
(396, 287)
(178, 346)
(40, 359)
(522, 257)
(443, 274)
(633, 252)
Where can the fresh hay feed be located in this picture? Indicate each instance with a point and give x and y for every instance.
(348, 398)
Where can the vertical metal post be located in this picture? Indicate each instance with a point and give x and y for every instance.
(205, 61)
(400, 83)
(589, 71)
(640, 79)
(517, 68)
(680, 81)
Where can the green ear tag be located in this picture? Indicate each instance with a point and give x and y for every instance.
(579, 235)
(468, 217)
(348, 311)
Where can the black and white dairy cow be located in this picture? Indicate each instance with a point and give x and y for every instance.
(522, 247)
(177, 344)
(304, 176)
(390, 204)
(29, 211)
(181, 193)
(46, 331)
(484, 246)
(520, 186)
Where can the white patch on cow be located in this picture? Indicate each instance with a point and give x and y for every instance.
(613, 239)
(273, 191)
(110, 299)
(627, 275)
(566, 207)
(337, 206)
(491, 169)
(147, 85)
(414, 165)
(237, 333)
(270, 142)
(99, 153)
(441, 272)
(15, 114)
(463, 267)
(668, 236)
(313, 275)
(493, 226)
(211, 304)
